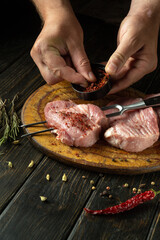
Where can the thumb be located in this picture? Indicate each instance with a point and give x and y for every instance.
(82, 64)
(125, 49)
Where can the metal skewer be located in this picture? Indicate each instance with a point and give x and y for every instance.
(32, 124)
(34, 133)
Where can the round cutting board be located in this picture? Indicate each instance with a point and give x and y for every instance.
(100, 157)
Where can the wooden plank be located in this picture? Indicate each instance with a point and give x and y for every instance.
(22, 78)
(26, 217)
(130, 225)
(12, 48)
(19, 30)
(11, 179)
(154, 231)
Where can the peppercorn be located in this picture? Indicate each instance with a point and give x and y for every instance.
(139, 190)
(153, 183)
(91, 182)
(134, 190)
(126, 185)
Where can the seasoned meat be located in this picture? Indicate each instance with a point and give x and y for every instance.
(134, 131)
(75, 125)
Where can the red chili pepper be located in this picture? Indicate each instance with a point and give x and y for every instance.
(129, 204)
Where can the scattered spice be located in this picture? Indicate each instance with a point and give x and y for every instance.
(153, 183)
(139, 190)
(64, 178)
(108, 188)
(125, 206)
(134, 190)
(91, 182)
(79, 120)
(114, 160)
(126, 185)
(48, 177)
(93, 187)
(101, 81)
(148, 160)
(43, 198)
(10, 165)
(16, 142)
(110, 196)
(31, 164)
(104, 193)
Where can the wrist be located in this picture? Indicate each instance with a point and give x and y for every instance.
(146, 10)
(49, 9)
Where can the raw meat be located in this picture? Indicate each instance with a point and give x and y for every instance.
(75, 125)
(133, 131)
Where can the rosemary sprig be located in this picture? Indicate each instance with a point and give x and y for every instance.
(9, 121)
(14, 120)
(1, 106)
(5, 125)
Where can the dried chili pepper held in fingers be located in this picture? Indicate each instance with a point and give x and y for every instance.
(125, 206)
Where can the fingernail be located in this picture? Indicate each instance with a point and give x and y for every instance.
(91, 76)
(111, 67)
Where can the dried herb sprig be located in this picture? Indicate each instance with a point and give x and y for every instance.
(9, 121)
(14, 120)
(5, 125)
(1, 107)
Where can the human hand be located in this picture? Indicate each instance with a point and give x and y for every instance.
(136, 54)
(59, 52)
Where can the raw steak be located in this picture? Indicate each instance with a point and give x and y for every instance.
(75, 125)
(134, 131)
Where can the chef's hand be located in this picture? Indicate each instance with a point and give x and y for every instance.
(58, 51)
(136, 54)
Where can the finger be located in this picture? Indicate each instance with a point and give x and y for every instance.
(54, 68)
(133, 75)
(81, 63)
(127, 47)
(123, 71)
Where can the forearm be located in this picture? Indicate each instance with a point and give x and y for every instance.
(47, 8)
(146, 9)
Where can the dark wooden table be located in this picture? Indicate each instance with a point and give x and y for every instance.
(23, 215)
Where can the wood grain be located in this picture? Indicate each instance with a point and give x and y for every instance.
(27, 217)
(130, 225)
(11, 179)
(101, 156)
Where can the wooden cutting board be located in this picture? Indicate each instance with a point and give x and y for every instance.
(100, 157)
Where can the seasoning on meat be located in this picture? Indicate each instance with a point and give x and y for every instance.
(75, 125)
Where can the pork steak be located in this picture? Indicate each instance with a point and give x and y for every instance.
(134, 131)
(75, 125)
